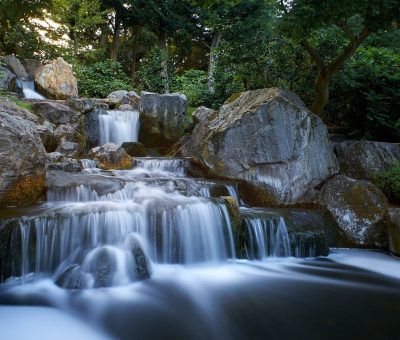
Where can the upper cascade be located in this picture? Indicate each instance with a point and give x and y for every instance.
(118, 126)
(28, 88)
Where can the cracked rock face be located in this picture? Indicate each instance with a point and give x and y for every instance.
(268, 139)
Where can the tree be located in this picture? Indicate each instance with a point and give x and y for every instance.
(81, 18)
(357, 20)
(15, 13)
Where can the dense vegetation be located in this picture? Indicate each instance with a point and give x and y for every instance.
(341, 57)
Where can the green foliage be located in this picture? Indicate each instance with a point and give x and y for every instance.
(101, 78)
(389, 182)
(193, 83)
(150, 71)
(366, 94)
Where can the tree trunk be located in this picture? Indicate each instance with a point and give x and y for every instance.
(212, 65)
(321, 87)
(164, 63)
(104, 36)
(114, 49)
(325, 72)
(136, 42)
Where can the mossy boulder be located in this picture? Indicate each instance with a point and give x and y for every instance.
(358, 207)
(111, 157)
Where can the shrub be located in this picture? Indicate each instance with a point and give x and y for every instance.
(150, 71)
(101, 78)
(193, 83)
(366, 94)
(389, 182)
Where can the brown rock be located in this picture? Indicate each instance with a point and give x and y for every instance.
(110, 156)
(57, 80)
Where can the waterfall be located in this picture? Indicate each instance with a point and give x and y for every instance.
(28, 88)
(88, 164)
(119, 126)
(175, 166)
(266, 236)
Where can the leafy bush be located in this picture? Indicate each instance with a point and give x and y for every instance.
(366, 94)
(193, 83)
(101, 78)
(389, 182)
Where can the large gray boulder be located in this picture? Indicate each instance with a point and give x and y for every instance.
(268, 139)
(22, 161)
(15, 66)
(358, 207)
(55, 112)
(7, 79)
(161, 119)
(364, 159)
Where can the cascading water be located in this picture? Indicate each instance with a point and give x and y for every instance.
(266, 235)
(119, 126)
(149, 253)
(175, 166)
(28, 88)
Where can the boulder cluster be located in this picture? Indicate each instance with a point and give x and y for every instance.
(278, 152)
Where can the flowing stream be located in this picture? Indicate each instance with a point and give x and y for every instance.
(150, 253)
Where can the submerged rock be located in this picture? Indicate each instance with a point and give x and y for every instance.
(22, 161)
(358, 207)
(364, 159)
(57, 80)
(268, 139)
(110, 156)
(161, 119)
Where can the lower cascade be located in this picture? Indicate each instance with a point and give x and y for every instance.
(123, 248)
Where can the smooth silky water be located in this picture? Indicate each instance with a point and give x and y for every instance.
(148, 253)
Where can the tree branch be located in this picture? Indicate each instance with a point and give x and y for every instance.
(313, 54)
(347, 52)
(346, 30)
